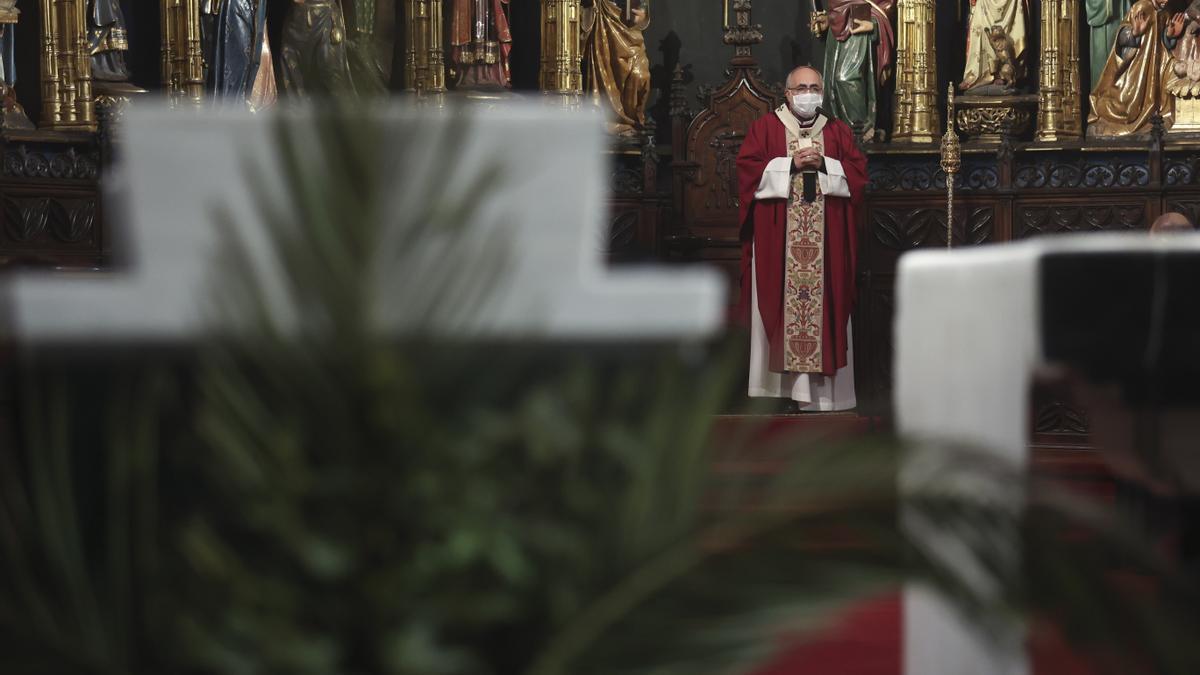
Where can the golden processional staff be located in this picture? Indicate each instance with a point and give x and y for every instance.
(951, 161)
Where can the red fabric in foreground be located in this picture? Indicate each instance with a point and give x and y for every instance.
(867, 640)
(864, 641)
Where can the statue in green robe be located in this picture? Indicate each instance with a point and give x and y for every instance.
(859, 52)
(1103, 20)
(315, 62)
(366, 71)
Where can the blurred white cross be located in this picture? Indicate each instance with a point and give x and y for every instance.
(551, 211)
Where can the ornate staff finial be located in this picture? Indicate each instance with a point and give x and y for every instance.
(951, 162)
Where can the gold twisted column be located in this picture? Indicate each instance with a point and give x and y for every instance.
(1059, 104)
(182, 54)
(66, 66)
(916, 74)
(562, 71)
(424, 58)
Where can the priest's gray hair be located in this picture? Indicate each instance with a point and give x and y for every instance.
(797, 69)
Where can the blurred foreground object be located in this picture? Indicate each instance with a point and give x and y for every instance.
(329, 485)
(973, 325)
(546, 212)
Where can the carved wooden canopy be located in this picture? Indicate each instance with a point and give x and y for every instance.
(706, 147)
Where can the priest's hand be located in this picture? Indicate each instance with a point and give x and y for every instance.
(807, 159)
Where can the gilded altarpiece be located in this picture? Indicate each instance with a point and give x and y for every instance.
(67, 102)
(917, 119)
(561, 70)
(182, 54)
(424, 54)
(1060, 115)
(50, 206)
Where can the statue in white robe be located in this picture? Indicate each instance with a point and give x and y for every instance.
(1010, 16)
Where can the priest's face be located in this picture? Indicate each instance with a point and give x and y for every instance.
(803, 81)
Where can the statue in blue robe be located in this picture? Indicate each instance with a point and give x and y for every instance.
(234, 36)
(12, 115)
(8, 55)
(109, 41)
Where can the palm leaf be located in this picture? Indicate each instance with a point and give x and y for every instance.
(339, 498)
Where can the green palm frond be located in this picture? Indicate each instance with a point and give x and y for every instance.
(331, 496)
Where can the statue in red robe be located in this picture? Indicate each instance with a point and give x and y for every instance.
(480, 44)
(799, 250)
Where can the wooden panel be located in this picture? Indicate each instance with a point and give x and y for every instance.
(873, 342)
(34, 226)
(1185, 203)
(710, 189)
(1035, 171)
(901, 227)
(1034, 217)
(50, 207)
(922, 173)
(635, 204)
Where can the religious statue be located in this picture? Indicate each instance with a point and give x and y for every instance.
(108, 40)
(365, 67)
(240, 71)
(480, 43)
(1133, 84)
(994, 23)
(1103, 20)
(9, 14)
(1004, 66)
(858, 60)
(1185, 67)
(618, 68)
(1183, 84)
(314, 50)
(12, 115)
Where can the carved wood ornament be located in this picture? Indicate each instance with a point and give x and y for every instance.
(706, 146)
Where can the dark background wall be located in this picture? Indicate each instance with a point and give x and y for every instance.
(689, 32)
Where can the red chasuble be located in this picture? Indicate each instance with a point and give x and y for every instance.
(763, 224)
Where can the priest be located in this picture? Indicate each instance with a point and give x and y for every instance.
(801, 178)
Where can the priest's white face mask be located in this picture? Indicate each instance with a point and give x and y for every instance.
(805, 105)
(804, 92)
